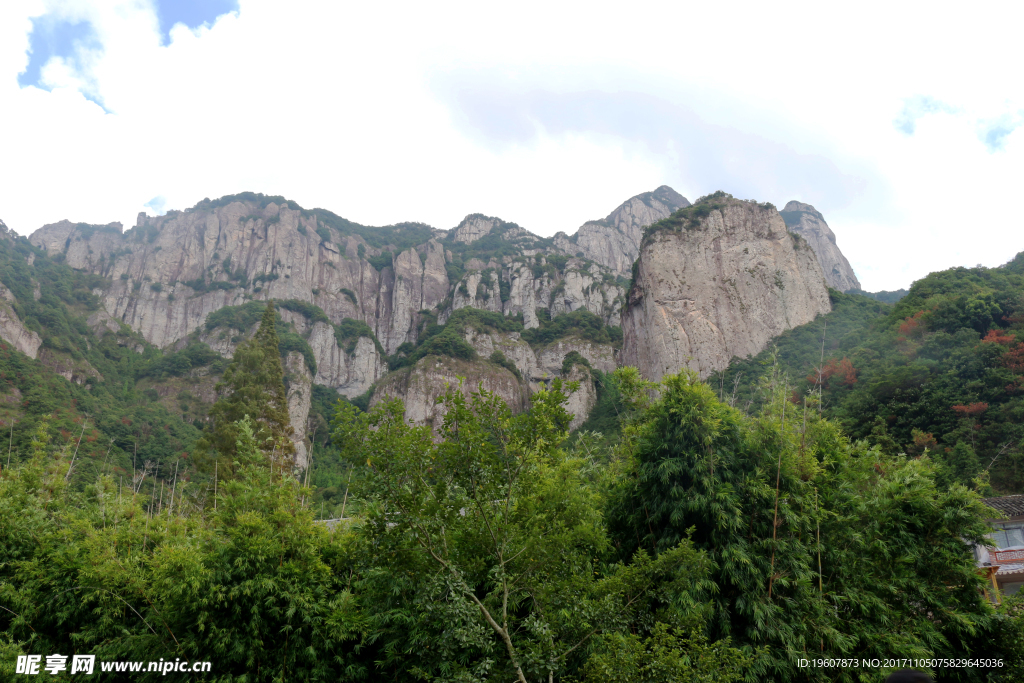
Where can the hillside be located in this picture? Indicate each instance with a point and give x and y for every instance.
(939, 370)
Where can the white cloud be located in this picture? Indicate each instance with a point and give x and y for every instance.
(544, 114)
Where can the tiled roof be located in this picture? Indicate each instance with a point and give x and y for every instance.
(1011, 506)
(1010, 569)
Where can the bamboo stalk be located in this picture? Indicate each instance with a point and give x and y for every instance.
(344, 501)
(170, 508)
(778, 479)
(10, 446)
(821, 363)
(84, 422)
(817, 519)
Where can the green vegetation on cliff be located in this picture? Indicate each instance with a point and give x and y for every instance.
(115, 427)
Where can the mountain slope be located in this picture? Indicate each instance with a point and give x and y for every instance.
(940, 370)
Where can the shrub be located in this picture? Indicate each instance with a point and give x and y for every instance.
(381, 261)
(572, 359)
(498, 358)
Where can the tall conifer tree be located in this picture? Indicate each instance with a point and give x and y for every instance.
(253, 385)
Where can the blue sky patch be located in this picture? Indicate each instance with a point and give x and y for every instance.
(158, 205)
(915, 108)
(994, 133)
(51, 38)
(192, 13)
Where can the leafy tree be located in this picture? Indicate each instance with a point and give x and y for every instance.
(819, 546)
(253, 385)
(488, 552)
(253, 586)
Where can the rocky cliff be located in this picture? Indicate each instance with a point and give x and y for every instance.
(170, 272)
(614, 241)
(353, 296)
(718, 280)
(806, 221)
(12, 330)
(520, 285)
(420, 387)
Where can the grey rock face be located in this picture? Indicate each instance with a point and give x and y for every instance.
(806, 221)
(721, 289)
(73, 370)
(579, 286)
(300, 394)
(350, 375)
(421, 386)
(614, 242)
(700, 297)
(12, 330)
(600, 356)
(538, 368)
(473, 227)
(583, 400)
(271, 253)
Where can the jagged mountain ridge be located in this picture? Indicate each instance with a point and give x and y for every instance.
(168, 274)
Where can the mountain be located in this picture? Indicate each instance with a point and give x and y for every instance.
(806, 221)
(399, 311)
(353, 299)
(715, 281)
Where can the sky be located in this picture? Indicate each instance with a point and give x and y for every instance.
(900, 122)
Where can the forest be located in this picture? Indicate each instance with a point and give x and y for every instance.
(817, 501)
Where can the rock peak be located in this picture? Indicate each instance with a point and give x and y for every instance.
(614, 241)
(806, 221)
(711, 285)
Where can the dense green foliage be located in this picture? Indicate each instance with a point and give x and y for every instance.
(818, 545)
(180, 363)
(687, 532)
(251, 584)
(487, 558)
(883, 296)
(448, 339)
(689, 217)
(572, 359)
(940, 370)
(496, 553)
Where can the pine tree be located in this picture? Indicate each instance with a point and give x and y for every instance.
(253, 385)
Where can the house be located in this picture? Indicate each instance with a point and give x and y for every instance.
(1004, 564)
